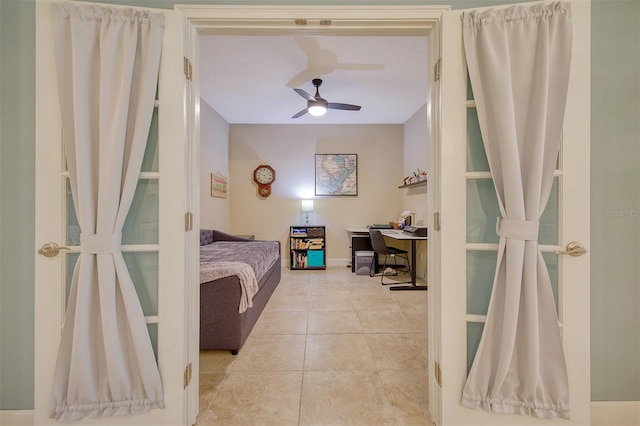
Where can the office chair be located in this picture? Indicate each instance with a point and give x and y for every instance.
(380, 247)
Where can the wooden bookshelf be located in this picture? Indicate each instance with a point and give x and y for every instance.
(307, 247)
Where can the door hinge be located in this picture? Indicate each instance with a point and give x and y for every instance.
(188, 69)
(438, 373)
(436, 70)
(187, 375)
(436, 221)
(188, 221)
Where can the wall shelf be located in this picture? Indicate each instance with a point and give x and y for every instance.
(411, 185)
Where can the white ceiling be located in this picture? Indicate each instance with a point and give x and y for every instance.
(250, 79)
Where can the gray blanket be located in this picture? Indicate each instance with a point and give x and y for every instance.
(260, 255)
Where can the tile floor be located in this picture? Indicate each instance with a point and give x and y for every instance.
(330, 348)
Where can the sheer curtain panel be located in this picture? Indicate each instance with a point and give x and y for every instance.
(107, 62)
(518, 61)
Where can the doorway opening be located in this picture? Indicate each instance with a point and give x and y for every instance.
(345, 21)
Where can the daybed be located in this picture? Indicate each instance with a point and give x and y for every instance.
(232, 269)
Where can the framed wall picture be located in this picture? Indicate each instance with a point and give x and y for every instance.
(336, 174)
(218, 185)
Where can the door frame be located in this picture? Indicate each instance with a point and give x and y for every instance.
(346, 20)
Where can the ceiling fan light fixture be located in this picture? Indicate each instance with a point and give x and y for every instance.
(317, 110)
(317, 107)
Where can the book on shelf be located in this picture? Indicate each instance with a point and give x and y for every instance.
(295, 232)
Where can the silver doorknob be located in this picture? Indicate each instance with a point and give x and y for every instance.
(574, 249)
(51, 249)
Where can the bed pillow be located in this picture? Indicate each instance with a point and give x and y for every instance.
(206, 236)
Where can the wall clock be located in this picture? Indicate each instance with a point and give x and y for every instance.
(263, 176)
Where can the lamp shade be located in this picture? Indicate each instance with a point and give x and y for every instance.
(307, 205)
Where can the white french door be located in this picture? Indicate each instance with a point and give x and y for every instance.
(157, 248)
(468, 209)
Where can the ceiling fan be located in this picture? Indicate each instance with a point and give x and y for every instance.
(317, 106)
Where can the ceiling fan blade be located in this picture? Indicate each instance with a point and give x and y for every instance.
(305, 94)
(300, 114)
(348, 107)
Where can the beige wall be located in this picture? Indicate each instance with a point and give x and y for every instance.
(290, 150)
(214, 157)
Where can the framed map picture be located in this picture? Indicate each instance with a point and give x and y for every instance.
(336, 174)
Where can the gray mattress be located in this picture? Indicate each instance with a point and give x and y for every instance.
(260, 255)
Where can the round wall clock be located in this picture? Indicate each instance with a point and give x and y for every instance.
(263, 176)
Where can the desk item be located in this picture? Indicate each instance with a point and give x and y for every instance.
(416, 231)
(401, 235)
(381, 226)
(381, 248)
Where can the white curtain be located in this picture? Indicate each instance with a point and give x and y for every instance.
(518, 61)
(107, 62)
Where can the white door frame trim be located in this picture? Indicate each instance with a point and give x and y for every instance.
(344, 21)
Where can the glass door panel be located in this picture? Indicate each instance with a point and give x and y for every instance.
(482, 211)
(474, 333)
(150, 160)
(481, 267)
(476, 156)
(141, 225)
(143, 268)
(551, 260)
(548, 234)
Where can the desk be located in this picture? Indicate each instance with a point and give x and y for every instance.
(401, 235)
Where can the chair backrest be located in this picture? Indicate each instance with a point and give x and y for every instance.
(377, 241)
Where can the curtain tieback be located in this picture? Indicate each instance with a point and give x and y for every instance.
(100, 243)
(518, 229)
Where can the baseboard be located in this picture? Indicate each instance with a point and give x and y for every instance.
(16, 417)
(615, 413)
(338, 262)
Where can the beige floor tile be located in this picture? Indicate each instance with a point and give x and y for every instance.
(325, 322)
(256, 398)
(216, 361)
(331, 348)
(282, 302)
(292, 289)
(331, 302)
(398, 351)
(271, 353)
(408, 392)
(281, 322)
(411, 300)
(344, 398)
(209, 385)
(387, 322)
(419, 319)
(338, 352)
(379, 302)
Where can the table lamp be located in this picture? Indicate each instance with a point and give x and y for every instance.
(307, 206)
